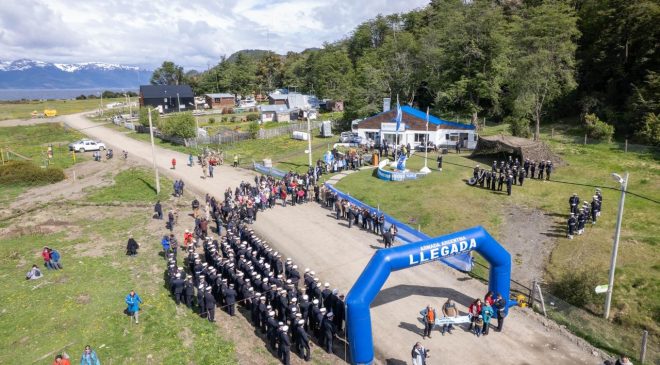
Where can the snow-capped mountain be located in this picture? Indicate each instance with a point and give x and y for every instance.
(30, 74)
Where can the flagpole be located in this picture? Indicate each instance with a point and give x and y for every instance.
(426, 169)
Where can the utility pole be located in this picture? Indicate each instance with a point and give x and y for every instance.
(309, 138)
(615, 248)
(153, 152)
(178, 102)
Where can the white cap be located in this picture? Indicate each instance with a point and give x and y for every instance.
(285, 328)
(327, 285)
(305, 297)
(301, 322)
(315, 301)
(271, 313)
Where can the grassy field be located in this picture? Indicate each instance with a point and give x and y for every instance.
(133, 185)
(23, 109)
(33, 141)
(447, 204)
(84, 303)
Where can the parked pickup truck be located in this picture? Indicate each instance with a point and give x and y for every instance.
(85, 145)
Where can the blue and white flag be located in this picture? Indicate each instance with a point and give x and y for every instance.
(401, 163)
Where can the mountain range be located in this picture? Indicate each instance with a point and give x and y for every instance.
(30, 74)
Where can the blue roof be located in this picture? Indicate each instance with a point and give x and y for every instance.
(433, 119)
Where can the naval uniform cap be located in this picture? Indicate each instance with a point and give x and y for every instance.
(294, 300)
(312, 273)
(285, 328)
(306, 270)
(327, 285)
(271, 314)
(323, 310)
(335, 291)
(208, 288)
(315, 301)
(178, 275)
(288, 281)
(294, 266)
(301, 322)
(305, 297)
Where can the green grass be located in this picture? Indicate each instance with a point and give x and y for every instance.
(443, 203)
(133, 185)
(23, 109)
(83, 304)
(33, 141)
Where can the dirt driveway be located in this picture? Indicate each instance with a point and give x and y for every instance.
(314, 239)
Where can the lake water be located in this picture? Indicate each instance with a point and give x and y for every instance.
(31, 94)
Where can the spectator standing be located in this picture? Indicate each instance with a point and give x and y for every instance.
(429, 315)
(89, 357)
(449, 310)
(133, 301)
(132, 246)
(419, 354)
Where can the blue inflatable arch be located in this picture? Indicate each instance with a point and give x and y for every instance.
(372, 279)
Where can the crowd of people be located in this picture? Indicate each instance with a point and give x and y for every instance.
(237, 268)
(580, 215)
(510, 172)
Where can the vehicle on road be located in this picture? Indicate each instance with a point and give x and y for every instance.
(350, 137)
(85, 145)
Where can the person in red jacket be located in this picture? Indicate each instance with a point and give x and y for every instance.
(474, 310)
(488, 298)
(46, 255)
(174, 164)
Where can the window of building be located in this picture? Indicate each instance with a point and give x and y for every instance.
(452, 137)
(421, 137)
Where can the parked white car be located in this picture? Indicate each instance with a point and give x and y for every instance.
(85, 145)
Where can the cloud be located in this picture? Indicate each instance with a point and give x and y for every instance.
(192, 33)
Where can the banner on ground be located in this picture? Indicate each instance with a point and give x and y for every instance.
(269, 170)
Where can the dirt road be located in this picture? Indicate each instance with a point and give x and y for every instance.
(314, 239)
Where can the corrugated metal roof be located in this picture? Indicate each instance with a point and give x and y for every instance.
(220, 95)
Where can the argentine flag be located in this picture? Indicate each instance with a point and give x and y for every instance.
(399, 115)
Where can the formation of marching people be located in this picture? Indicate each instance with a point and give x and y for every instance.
(240, 269)
(581, 214)
(509, 173)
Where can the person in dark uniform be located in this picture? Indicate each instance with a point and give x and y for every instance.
(521, 177)
(487, 178)
(159, 210)
(328, 330)
(509, 182)
(325, 294)
(351, 216)
(526, 167)
(271, 333)
(302, 340)
(387, 239)
(439, 160)
(595, 209)
(201, 293)
(548, 169)
(284, 348)
(188, 292)
(340, 313)
(500, 305)
(230, 300)
(209, 303)
(581, 220)
(573, 202)
(541, 169)
(572, 222)
(177, 288)
(500, 182)
(532, 169)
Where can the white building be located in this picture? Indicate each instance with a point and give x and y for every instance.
(382, 127)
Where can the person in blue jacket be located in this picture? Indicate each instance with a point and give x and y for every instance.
(166, 246)
(55, 259)
(487, 313)
(89, 357)
(133, 301)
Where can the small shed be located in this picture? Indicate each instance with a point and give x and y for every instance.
(220, 100)
(278, 99)
(522, 147)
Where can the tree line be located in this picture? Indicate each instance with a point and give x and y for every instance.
(520, 61)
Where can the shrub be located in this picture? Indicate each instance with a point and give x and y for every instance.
(211, 120)
(577, 288)
(649, 132)
(180, 125)
(252, 117)
(254, 129)
(519, 126)
(27, 173)
(597, 129)
(234, 119)
(143, 117)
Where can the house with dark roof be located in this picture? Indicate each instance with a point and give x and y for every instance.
(167, 98)
(381, 128)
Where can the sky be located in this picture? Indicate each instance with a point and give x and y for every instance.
(192, 33)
